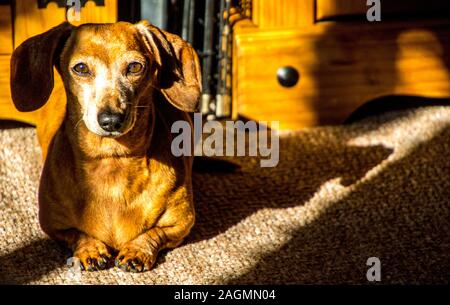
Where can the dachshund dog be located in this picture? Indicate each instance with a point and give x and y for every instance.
(110, 186)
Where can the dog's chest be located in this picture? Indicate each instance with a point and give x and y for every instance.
(116, 179)
(117, 201)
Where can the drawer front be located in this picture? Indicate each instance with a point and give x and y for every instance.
(334, 9)
(339, 71)
(31, 20)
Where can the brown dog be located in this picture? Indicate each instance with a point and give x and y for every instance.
(110, 181)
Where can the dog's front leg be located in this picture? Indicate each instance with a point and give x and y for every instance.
(140, 254)
(91, 253)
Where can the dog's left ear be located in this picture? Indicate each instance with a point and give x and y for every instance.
(179, 67)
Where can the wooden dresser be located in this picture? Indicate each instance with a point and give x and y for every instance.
(311, 62)
(300, 62)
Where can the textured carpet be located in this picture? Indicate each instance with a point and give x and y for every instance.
(378, 188)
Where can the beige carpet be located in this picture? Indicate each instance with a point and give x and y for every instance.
(342, 194)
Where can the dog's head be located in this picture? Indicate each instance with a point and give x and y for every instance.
(109, 71)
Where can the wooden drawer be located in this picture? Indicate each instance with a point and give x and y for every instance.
(31, 20)
(340, 69)
(334, 9)
(270, 14)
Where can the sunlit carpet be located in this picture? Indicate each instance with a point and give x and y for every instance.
(378, 188)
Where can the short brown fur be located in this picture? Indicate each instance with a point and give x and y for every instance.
(105, 194)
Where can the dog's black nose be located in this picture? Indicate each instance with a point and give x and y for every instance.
(110, 121)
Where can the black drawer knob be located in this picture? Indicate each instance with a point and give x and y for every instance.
(288, 76)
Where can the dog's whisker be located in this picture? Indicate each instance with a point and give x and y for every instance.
(78, 123)
(137, 106)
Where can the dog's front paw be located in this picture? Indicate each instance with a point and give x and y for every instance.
(135, 259)
(93, 255)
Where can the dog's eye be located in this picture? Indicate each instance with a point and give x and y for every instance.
(81, 69)
(135, 68)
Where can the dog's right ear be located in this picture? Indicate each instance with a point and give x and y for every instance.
(32, 67)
